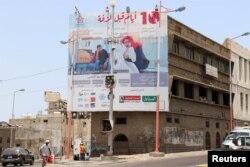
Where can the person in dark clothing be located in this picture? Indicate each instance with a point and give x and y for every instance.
(101, 58)
(141, 61)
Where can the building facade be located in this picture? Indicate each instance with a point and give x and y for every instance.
(5, 131)
(198, 116)
(32, 131)
(240, 58)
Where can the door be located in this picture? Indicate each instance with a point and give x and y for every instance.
(218, 142)
(208, 141)
(121, 145)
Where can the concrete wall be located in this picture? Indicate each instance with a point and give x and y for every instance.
(5, 138)
(240, 81)
(174, 137)
(34, 131)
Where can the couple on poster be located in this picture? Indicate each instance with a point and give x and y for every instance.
(132, 57)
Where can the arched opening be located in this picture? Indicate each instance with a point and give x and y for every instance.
(121, 146)
(218, 142)
(208, 141)
(121, 137)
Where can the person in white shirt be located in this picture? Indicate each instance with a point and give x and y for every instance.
(127, 59)
(45, 152)
(234, 145)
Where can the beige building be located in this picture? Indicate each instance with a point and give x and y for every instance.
(198, 116)
(240, 82)
(5, 131)
(32, 131)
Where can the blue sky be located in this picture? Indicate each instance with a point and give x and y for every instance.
(30, 32)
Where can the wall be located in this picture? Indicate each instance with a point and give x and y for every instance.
(34, 131)
(240, 84)
(174, 137)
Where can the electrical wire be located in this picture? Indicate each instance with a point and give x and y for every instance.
(33, 91)
(33, 75)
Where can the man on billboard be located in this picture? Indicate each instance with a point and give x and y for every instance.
(101, 58)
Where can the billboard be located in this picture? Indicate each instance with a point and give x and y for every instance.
(134, 62)
(50, 96)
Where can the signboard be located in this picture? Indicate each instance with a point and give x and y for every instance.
(51, 96)
(212, 71)
(149, 98)
(134, 62)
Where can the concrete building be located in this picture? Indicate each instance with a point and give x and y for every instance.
(240, 82)
(199, 101)
(32, 131)
(5, 129)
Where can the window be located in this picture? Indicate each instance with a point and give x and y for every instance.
(240, 67)
(203, 93)
(215, 97)
(121, 121)
(8, 140)
(45, 121)
(176, 47)
(177, 120)
(249, 72)
(226, 67)
(207, 124)
(188, 91)
(226, 99)
(215, 63)
(174, 88)
(246, 102)
(241, 101)
(189, 53)
(217, 125)
(1, 139)
(247, 141)
(203, 59)
(106, 125)
(245, 69)
(169, 119)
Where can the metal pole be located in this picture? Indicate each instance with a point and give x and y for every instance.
(68, 136)
(158, 84)
(72, 67)
(110, 134)
(13, 116)
(230, 95)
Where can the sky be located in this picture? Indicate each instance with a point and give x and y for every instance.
(30, 32)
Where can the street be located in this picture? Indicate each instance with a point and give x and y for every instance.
(166, 162)
(181, 161)
(176, 162)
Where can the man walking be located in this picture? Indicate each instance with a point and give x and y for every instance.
(45, 152)
(82, 152)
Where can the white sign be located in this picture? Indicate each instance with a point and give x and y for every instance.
(135, 61)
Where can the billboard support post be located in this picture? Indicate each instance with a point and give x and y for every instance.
(111, 99)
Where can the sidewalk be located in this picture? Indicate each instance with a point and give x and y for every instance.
(96, 161)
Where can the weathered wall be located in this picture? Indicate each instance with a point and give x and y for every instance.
(174, 137)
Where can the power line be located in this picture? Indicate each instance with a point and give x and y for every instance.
(33, 75)
(33, 91)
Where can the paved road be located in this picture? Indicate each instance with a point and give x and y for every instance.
(199, 161)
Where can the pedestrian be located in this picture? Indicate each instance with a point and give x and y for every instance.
(45, 152)
(82, 152)
(234, 145)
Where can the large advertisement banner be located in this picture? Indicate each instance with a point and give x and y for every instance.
(134, 62)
